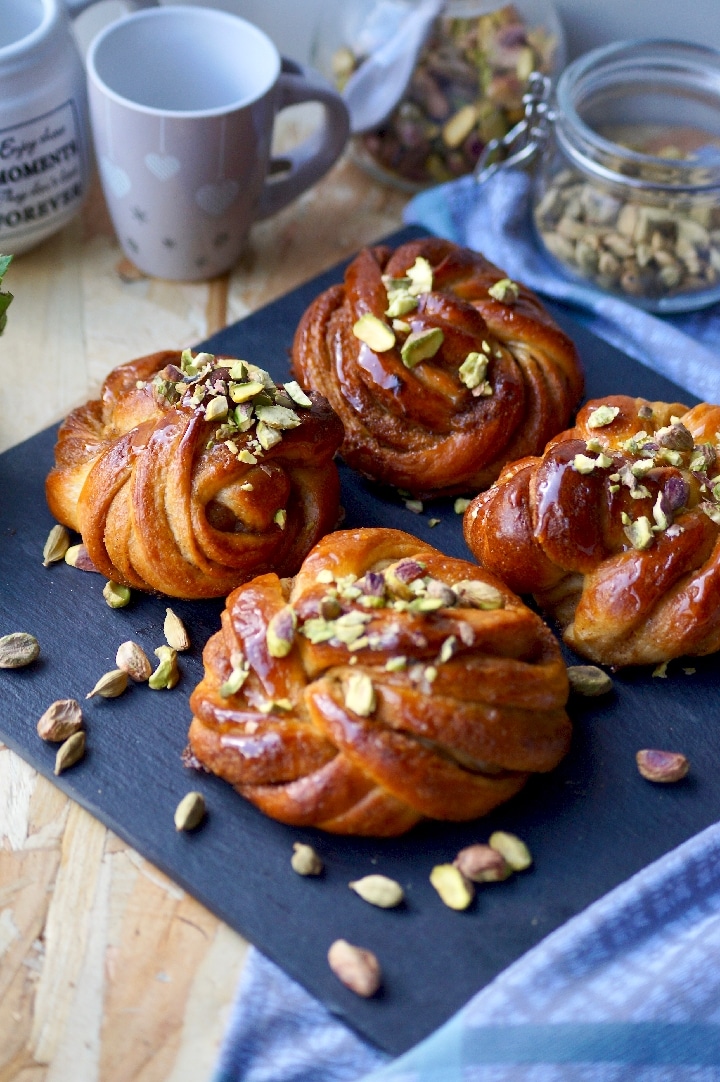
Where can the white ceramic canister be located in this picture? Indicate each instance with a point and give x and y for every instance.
(44, 160)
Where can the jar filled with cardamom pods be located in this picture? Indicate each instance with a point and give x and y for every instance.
(470, 64)
(627, 183)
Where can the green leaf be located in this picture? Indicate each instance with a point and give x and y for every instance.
(5, 298)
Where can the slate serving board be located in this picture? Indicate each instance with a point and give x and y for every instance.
(590, 825)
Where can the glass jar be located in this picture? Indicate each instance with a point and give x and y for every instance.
(466, 88)
(627, 190)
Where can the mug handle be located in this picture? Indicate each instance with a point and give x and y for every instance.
(308, 162)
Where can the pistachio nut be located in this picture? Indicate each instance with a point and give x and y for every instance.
(360, 694)
(378, 890)
(175, 633)
(110, 685)
(298, 395)
(505, 290)
(454, 889)
(70, 752)
(61, 719)
(18, 649)
(78, 556)
(116, 595)
(57, 544)
(482, 864)
(133, 660)
(421, 345)
(374, 333)
(478, 595)
(280, 632)
(167, 673)
(588, 680)
(662, 766)
(511, 847)
(305, 861)
(357, 968)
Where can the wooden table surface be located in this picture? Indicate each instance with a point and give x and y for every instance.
(108, 970)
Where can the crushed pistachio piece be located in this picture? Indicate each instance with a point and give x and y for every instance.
(583, 464)
(360, 694)
(400, 303)
(603, 415)
(478, 594)
(280, 632)
(238, 675)
(247, 457)
(473, 370)
(661, 520)
(421, 346)
(416, 506)
(421, 277)
(448, 649)
(594, 444)
(401, 327)
(461, 505)
(167, 673)
(297, 394)
(505, 290)
(396, 664)
(241, 392)
(434, 521)
(280, 518)
(272, 706)
(325, 575)
(116, 595)
(216, 408)
(374, 333)
(639, 533)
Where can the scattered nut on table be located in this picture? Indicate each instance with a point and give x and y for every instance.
(357, 968)
(305, 861)
(61, 719)
(662, 766)
(378, 890)
(482, 864)
(589, 680)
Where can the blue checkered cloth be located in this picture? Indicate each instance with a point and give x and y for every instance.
(627, 991)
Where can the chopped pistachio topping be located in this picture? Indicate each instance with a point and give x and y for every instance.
(360, 694)
(639, 532)
(280, 518)
(593, 444)
(325, 575)
(421, 345)
(374, 333)
(280, 632)
(421, 277)
(473, 370)
(267, 437)
(400, 303)
(272, 706)
(298, 395)
(278, 417)
(247, 457)
(242, 392)
(237, 677)
(216, 408)
(448, 649)
(416, 506)
(396, 664)
(603, 415)
(583, 464)
(661, 519)
(479, 594)
(401, 327)
(505, 290)
(461, 505)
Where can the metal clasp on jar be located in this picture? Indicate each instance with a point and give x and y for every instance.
(524, 142)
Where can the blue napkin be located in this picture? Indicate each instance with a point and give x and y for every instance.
(628, 990)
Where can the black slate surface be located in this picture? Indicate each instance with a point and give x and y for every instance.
(590, 825)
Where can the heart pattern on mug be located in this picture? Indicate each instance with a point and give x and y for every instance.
(115, 177)
(215, 199)
(162, 166)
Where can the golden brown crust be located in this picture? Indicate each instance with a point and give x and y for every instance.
(477, 707)
(627, 555)
(422, 429)
(161, 498)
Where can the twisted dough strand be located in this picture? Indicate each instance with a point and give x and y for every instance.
(477, 705)
(422, 428)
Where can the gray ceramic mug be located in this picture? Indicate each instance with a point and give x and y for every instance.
(182, 106)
